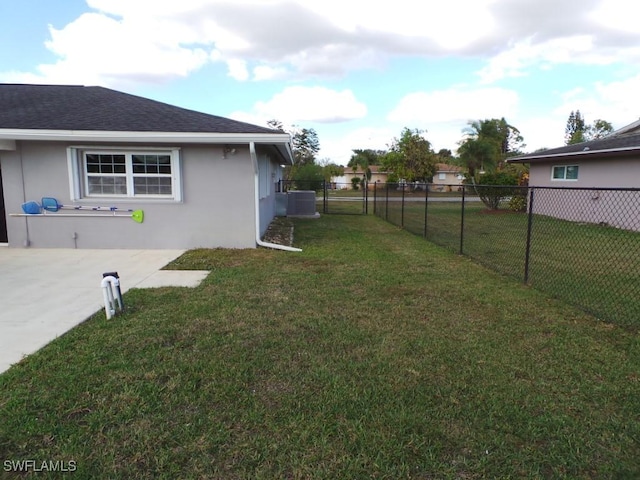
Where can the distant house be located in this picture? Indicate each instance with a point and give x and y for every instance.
(345, 180)
(201, 180)
(595, 167)
(447, 177)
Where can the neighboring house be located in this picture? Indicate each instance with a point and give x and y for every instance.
(201, 180)
(447, 177)
(612, 162)
(344, 181)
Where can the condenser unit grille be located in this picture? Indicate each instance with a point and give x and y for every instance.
(301, 202)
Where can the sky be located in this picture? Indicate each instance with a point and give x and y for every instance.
(357, 72)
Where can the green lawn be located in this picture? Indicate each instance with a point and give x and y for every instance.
(371, 354)
(594, 267)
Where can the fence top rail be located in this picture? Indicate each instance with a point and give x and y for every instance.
(528, 187)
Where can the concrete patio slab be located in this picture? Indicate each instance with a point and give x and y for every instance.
(46, 292)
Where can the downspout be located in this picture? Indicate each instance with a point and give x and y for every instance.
(254, 160)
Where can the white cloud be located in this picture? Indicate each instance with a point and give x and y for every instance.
(238, 69)
(616, 102)
(154, 40)
(309, 104)
(525, 55)
(454, 105)
(339, 148)
(96, 49)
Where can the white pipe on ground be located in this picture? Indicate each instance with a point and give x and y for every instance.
(110, 284)
(259, 241)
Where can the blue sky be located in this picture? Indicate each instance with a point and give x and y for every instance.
(357, 72)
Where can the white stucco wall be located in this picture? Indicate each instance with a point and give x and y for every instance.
(218, 207)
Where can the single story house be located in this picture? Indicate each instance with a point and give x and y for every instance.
(344, 181)
(595, 171)
(447, 177)
(200, 180)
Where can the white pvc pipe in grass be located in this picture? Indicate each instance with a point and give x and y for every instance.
(112, 301)
(259, 241)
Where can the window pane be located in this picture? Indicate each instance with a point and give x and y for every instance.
(558, 173)
(105, 163)
(138, 163)
(572, 172)
(107, 185)
(152, 186)
(153, 164)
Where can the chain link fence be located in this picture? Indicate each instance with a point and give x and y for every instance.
(580, 245)
(333, 197)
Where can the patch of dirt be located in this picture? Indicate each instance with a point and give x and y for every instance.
(280, 232)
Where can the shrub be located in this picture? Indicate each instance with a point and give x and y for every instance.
(518, 203)
(308, 177)
(495, 187)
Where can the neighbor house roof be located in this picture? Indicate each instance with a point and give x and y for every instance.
(444, 167)
(624, 141)
(359, 171)
(64, 107)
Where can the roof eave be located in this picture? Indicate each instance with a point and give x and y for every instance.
(142, 137)
(580, 153)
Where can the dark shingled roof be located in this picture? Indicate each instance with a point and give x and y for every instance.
(627, 140)
(64, 107)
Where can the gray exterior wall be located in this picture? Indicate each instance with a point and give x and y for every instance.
(617, 208)
(621, 172)
(217, 209)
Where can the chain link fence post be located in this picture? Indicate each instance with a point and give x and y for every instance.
(527, 256)
(464, 189)
(426, 203)
(386, 207)
(402, 208)
(375, 197)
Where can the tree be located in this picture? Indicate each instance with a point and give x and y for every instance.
(575, 130)
(444, 155)
(275, 124)
(365, 158)
(410, 157)
(305, 146)
(308, 177)
(487, 144)
(331, 170)
(599, 129)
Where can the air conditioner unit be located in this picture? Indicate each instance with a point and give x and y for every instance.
(301, 202)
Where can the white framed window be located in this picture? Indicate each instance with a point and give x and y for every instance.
(264, 176)
(442, 176)
(125, 173)
(564, 172)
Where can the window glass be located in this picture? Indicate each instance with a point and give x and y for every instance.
(107, 185)
(558, 173)
(128, 174)
(572, 172)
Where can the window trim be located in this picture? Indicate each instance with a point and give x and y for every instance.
(564, 178)
(78, 176)
(264, 175)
